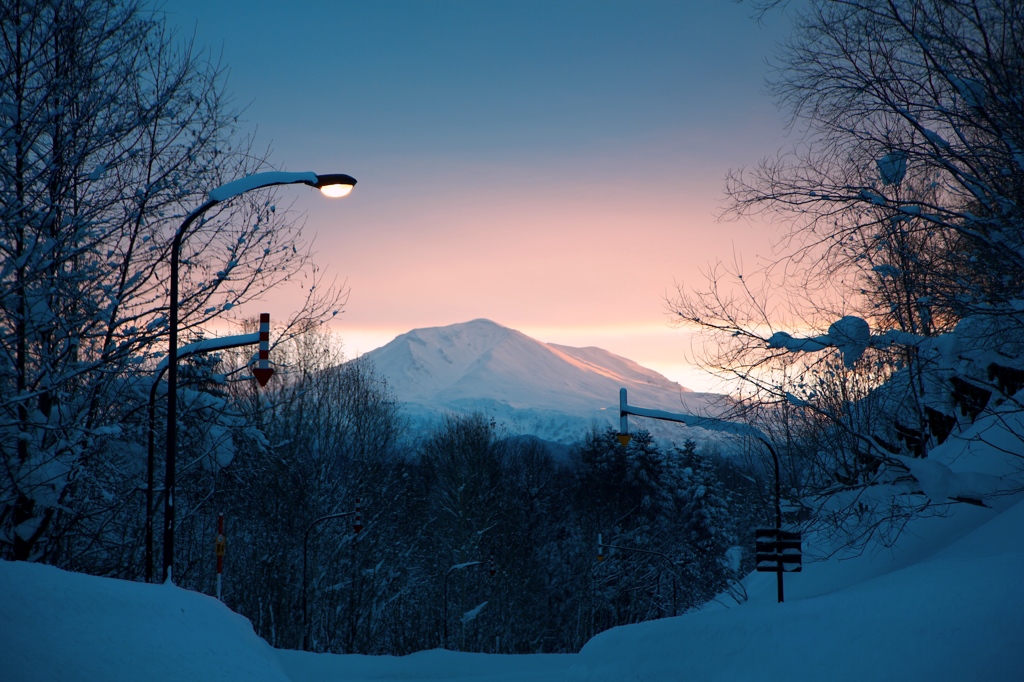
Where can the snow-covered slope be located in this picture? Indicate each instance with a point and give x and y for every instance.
(945, 602)
(56, 626)
(956, 615)
(952, 613)
(552, 391)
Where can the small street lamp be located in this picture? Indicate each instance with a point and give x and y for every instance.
(204, 346)
(458, 567)
(335, 185)
(357, 526)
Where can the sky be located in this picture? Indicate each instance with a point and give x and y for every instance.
(555, 166)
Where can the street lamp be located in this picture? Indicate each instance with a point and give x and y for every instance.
(334, 184)
(356, 526)
(204, 346)
(456, 567)
(711, 424)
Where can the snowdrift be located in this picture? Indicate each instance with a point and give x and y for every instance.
(946, 602)
(932, 610)
(56, 625)
(957, 615)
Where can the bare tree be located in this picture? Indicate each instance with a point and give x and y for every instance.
(112, 129)
(910, 172)
(904, 200)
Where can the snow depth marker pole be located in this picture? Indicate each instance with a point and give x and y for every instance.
(263, 370)
(220, 546)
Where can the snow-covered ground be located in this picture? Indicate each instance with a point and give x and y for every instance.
(929, 610)
(946, 602)
(955, 615)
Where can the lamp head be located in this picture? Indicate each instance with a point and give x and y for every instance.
(335, 185)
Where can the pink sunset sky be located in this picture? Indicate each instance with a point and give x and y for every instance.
(556, 166)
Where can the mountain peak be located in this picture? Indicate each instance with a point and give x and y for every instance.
(483, 366)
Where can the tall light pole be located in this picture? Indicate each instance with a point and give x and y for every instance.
(332, 185)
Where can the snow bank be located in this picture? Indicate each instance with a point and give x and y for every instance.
(56, 625)
(932, 609)
(435, 665)
(953, 616)
(945, 603)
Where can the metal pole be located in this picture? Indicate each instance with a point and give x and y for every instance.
(223, 193)
(219, 548)
(444, 637)
(623, 414)
(778, 514)
(690, 420)
(172, 391)
(150, 466)
(305, 603)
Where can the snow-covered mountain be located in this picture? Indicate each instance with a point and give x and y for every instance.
(552, 391)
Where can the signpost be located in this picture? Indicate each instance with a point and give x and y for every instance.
(357, 522)
(778, 551)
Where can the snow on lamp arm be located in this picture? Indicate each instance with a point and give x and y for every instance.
(332, 184)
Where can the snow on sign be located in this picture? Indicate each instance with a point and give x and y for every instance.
(777, 550)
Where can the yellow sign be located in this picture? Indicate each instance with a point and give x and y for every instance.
(220, 546)
(624, 438)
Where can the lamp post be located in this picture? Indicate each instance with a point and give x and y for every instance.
(356, 526)
(333, 185)
(204, 346)
(456, 567)
(711, 424)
